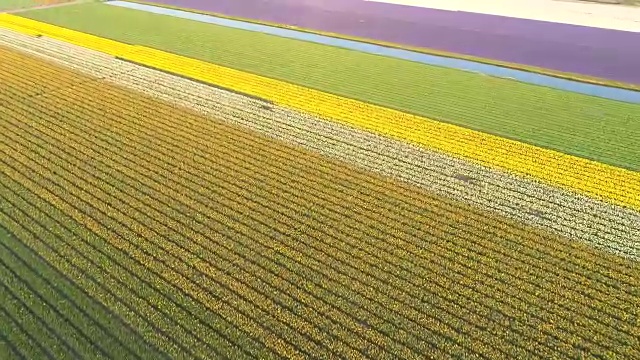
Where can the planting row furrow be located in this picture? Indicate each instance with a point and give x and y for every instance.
(533, 214)
(94, 161)
(22, 328)
(123, 283)
(69, 333)
(76, 313)
(12, 343)
(142, 248)
(108, 328)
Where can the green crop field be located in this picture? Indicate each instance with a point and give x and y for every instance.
(590, 127)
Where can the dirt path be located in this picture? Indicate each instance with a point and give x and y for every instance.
(58, 4)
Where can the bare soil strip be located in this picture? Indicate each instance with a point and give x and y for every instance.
(218, 241)
(600, 224)
(48, 4)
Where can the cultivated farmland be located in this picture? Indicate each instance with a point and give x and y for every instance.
(598, 223)
(567, 122)
(189, 235)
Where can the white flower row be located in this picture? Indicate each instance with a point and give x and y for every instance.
(602, 224)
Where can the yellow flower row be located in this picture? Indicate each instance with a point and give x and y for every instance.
(585, 176)
(32, 27)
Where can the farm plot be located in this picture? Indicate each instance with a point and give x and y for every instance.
(210, 240)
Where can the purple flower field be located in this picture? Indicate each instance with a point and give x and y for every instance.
(595, 52)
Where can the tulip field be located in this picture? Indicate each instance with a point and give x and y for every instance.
(148, 216)
(464, 98)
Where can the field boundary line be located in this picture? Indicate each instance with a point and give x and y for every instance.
(588, 177)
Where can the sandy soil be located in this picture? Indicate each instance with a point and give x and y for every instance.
(606, 16)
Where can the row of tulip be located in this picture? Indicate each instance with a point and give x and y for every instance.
(575, 216)
(80, 151)
(598, 180)
(73, 191)
(589, 177)
(189, 136)
(65, 136)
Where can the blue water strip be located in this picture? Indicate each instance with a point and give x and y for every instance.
(465, 65)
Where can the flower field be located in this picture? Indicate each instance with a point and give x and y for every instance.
(466, 99)
(167, 218)
(599, 223)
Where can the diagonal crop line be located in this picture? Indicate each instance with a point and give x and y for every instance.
(25, 254)
(196, 80)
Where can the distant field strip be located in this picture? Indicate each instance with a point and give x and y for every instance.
(491, 70)
(578, 12)
(600, 224)
(483, 38)
(588, 177)
(584, 126)
(212, 241)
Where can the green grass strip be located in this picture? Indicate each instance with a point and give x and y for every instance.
(585, 126)
(8, 350)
